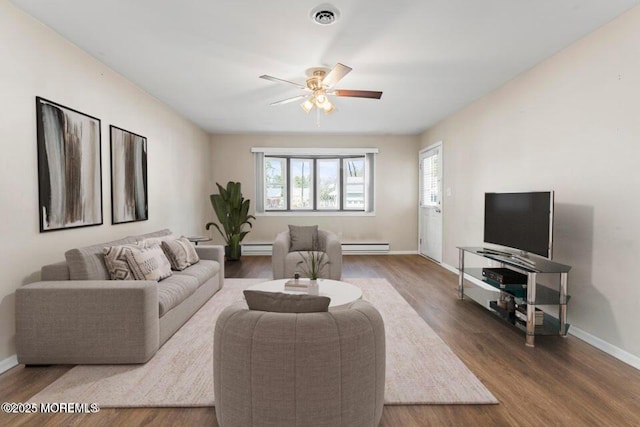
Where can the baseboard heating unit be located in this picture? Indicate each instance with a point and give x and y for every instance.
(256, 248)
(365, 248)
(350, 248)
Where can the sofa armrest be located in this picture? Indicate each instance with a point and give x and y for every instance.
(211, 252)
(87, 322)
(333, 247)
(214, 253)
(279, 251)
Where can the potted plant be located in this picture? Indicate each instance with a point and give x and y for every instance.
(313, 264)
(232, 211)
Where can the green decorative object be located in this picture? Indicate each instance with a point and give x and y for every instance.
(232, 211)
(313, 264)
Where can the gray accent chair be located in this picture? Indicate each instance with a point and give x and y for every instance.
(285, 263)
(299, 369)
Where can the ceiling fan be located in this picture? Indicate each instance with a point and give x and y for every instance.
(319, 86)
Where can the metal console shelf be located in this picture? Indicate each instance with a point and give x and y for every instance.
(532, 293)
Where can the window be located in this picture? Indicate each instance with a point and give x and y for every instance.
(301, 181)
(429, 183)
(275, 178)
(328, 184)
(353, 171)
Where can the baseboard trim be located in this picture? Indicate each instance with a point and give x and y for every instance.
(610, 349)
(449, 267)
(348, 248)
(599, 343)
(8, 363)
(346, 254)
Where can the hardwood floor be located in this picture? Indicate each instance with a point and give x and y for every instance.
(560, 382)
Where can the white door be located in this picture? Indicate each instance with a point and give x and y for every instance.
(430, 216)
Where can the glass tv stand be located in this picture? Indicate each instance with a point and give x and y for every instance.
(525, 296)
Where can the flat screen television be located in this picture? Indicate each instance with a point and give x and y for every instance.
(522, 221)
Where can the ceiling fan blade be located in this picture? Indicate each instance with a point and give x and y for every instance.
(288, 100)
(357, 93)
(275, 79)
(335, 75)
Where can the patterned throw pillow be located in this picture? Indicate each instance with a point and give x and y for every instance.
(180, 252)
(149, 264)
(115, 258)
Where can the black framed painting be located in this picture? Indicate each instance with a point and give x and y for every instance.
(128, 176)
(69, 167)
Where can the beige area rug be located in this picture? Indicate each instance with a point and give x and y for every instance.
(421, 368)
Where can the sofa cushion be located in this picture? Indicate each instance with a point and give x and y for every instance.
(180, 252)
(152, 241)
(303, 238)
(159, 233)
(87, 263)
(278, 302)
(149, 263)
(202, 271)
(57, 271)
(173, 290)
(115, 257)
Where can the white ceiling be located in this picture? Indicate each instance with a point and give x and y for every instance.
(429, 57)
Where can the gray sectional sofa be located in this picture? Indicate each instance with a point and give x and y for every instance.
(77, 315)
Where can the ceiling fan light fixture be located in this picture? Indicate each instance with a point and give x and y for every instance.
(328, 108)
(320, 85)
(307, 105)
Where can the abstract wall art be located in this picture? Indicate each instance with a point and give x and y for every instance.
(128, 176)
(69, 167)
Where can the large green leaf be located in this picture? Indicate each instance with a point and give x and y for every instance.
(232, 212)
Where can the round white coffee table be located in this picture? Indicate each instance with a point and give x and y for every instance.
(341, 293)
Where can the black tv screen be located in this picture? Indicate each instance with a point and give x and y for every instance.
(521, 221)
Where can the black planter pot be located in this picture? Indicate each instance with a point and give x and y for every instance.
(232, 255)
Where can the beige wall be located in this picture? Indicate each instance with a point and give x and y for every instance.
(570, 125)
(396, 186)
(38, 62)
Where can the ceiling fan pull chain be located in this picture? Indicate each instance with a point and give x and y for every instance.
(318, 117)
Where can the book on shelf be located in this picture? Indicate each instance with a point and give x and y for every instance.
(521, 313)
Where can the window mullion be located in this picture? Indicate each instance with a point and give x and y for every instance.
(343, 192)
(288, 183)
(314, 178)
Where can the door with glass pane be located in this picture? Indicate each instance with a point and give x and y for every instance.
(430, 215)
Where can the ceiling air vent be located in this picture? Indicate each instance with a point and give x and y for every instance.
(325, 14)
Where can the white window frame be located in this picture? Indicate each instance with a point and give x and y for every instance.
(368, 153)
(317, 184)
(285, 178)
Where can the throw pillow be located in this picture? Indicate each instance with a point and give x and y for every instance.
(115, 258)
(149, 264)
(180, 252)
(303, 238)
(278, 302)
